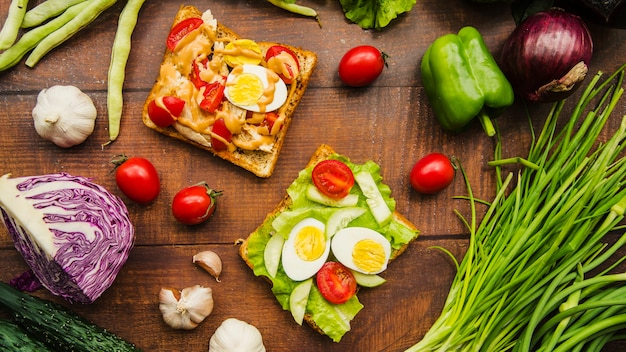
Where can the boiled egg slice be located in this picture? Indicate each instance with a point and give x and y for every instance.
(255, 88)
(361, 249)
(305, 250)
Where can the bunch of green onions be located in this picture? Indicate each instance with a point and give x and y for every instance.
(539, 272)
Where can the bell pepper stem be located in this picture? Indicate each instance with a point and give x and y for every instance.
(485, 120)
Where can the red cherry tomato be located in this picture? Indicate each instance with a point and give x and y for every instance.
(270, 119)
(336, 282)
(361, 65)
(432, 173)
(198, 67)
(137, 178)
(213, 95)
(163, 111)
(333, 178)
(194, 204)
(286, 64)
(181, 29)
(220, 129)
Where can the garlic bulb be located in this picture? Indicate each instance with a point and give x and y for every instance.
(235, 335)
(64, 115)
(187, 308)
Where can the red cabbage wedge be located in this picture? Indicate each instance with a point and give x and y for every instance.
(73, 233)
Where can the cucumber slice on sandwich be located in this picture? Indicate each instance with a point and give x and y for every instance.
(375, 200)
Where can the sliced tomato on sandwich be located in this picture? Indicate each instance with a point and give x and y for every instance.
(336, 282)
(213, 95)
(270, 119)
(220, 129)
(163, 111)
(333, 178)
(181, 29)
(284, 62)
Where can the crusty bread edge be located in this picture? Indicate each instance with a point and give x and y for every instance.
(260, 163)
(323, 152)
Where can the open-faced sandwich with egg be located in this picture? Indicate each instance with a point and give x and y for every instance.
(231, 96)
(335, 231)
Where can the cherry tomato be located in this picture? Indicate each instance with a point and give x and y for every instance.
(286, 64)
(166, 115)
(137, 178)
(333, 178)
(336, 282)
(181, 29)
(432, 173)
(270, 119)
(213, 95)
(361, 65)
(220, 129)
(194, 204)
(198, 67)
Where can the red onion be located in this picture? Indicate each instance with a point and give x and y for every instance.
(545, 58)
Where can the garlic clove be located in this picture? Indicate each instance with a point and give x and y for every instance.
(209, 261)
(187, 308)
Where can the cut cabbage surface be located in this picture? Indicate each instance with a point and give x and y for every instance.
(73, 233)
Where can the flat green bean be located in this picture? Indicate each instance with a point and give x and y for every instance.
(30, 39)
(11, 27)
(119, 57)
(88, 15)
(45, 11)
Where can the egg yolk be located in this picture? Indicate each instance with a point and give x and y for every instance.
(368, 255)
(310, 243)
(246, 89)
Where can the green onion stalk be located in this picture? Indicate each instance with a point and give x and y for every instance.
(541, 269)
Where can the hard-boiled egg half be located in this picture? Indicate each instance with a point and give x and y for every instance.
(255, 88)
(361, 249)
(305, 250)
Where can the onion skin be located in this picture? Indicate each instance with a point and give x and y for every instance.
(546, 57)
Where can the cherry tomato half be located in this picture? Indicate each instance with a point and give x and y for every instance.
(432, 173)
(336, 282)
(137, 178)
(194, 204)
(220, 129)
(361, 65)
(163, 111)
(283, 61)
(181, 29)
(333, 178)
(213, 95)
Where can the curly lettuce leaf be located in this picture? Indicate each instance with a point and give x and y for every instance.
(375, 14)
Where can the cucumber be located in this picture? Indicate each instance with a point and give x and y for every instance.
(56, 326)
(341, 218)
(374, 200)
(367, 280)
(312, 193)
(272, 253)
(14, 338)
(298, 300)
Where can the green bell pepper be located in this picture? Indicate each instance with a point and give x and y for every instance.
(462, 81)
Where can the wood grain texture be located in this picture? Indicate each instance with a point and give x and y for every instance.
(389, 122)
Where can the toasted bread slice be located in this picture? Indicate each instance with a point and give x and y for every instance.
(259, 162)
(322, 153)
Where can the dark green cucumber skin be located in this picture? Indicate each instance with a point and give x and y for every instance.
(58, 327)
(14, 338)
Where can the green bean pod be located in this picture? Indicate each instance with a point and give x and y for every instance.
(119, 57)
(54, 39)
(45, 11)
(30, 39)
(10, 29)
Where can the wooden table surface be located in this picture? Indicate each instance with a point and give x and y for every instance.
(389, 122)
